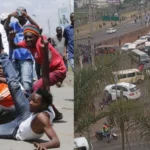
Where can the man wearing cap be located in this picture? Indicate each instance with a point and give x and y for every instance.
(4, 40)
(22, 58)
(55, 67)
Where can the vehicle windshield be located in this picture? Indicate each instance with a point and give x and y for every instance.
(126, 45)
(147, 47)
(133, 89)
(144, 57)
(142, 38)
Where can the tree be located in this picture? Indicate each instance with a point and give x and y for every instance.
(121, 114)
(88, 87)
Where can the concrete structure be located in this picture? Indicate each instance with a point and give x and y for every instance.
(96, 3)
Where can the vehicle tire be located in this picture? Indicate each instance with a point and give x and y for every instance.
(115, 137)
(99, 136)
(139, 81)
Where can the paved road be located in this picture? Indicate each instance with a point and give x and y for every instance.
(63, 99)
(116, 145)
(121, 29)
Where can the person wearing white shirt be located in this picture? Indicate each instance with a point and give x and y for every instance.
(4, 39)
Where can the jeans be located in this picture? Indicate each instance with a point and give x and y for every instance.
(71, 60)
(66, 63)
(9, 130)
(7, 114)
(24, 69)
(34, 72)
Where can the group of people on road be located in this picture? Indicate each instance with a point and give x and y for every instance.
(26, 103)
(85, 51)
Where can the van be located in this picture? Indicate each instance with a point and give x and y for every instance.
(139, 44)
(147, 48)
(139, 56)
(129, 76)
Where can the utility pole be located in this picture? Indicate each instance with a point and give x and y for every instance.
(49, 27)
(91, 37)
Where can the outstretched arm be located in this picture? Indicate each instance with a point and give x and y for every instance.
(45, 122)
(45, 65)
(7, 22)
(30, 19)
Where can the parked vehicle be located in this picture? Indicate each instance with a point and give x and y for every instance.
(144, 38)
(81, 143)
(129, 76)
(129, 91)
(106, 49)
(125, 47)
(147, 48)
(111, 30)
(148, 35)
(140, 44)
(139, 56)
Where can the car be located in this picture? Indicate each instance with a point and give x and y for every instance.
(144, 38)
(125, 47)
(148, 35)
(111, 30)
(130, 91)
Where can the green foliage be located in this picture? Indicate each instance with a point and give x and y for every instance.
(88, 86)
(122, 111)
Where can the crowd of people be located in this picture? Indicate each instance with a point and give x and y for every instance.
(85, 52)
(29, 64)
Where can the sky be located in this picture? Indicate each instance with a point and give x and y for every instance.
(40, 10)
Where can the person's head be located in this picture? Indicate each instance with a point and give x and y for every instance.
(59, 31)
(19, 11)
(31, 35)
(3, 18)
(40, 100)
(72, 18)
(105, 123)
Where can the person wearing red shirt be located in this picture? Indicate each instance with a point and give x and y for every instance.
(55, 65)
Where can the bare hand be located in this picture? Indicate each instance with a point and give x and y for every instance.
(11, 35)
(39, 146)
(24, 14)
(65, 56)
(44, 43)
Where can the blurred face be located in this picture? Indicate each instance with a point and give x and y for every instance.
(21, 18)
(59, 31)
(30, 39)
(72, 18)
(36, 103)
